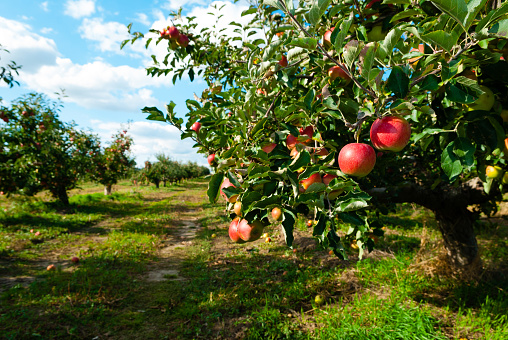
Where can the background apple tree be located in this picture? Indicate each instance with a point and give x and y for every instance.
(439, 64)
(113, 162)
(39, 152)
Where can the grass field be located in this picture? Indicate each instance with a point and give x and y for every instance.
(158, 264)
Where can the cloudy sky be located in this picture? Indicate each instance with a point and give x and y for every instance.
(74, 45)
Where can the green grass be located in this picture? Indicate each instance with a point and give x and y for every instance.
(253, 291)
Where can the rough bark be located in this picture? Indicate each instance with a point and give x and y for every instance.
(107, 190)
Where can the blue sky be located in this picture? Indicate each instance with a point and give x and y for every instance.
(75, 45)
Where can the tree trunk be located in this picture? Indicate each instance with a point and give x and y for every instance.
(107, 190)
(156, 184)
(456, 226)
(62, 196)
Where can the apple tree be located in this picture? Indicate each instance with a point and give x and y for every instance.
(39, 152)
(8, 71)
(113, 162)
(298, 97)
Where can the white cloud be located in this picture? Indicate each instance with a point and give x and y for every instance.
(176, 4)
(98, 84)
(46, 30)
(26, 47)
(151, 138)
(142, 18)
(109, 35)
(79, 8)
(44, 6)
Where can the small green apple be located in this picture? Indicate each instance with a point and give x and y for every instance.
(319, 300)
(493, 171)
(376, 33)
(485, 101)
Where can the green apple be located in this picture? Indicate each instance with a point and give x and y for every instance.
(493, 171)
(505, 178)
(504, 116)
(319, 300)
(485, 101)
(376, 33)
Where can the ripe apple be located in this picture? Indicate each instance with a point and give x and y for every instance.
(213, 235)
(494, 171)
(172, 32)
(314, 178)
(183, 40)
(74, 259)
(327, 41)
(261, 91)
(335, 72)
(196, 126)
(50, 267)
(233, 231)
(269, 147)
(357, 159)
(376, 33)
(308, 131)
(309, 223)
(237, 208)
(265, 235)
(250, 231)
(211, 159)
(390, 133)
(283, 62)
(226, 184)
(485, 101)
(268, 240)
(276, 213)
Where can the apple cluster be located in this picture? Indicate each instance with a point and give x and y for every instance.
(175, 37)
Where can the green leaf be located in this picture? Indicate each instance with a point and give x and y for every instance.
(155, 114)
(426, 132)
(398, 82)
(250, 198)
(444, 39)
(500, 29)
(460, 94)
(368, 60)
(309, 98)
(214, 187)
(288, 222)
(338, 35)
(319, 228)
(251, 10)
(301, 160)
(351, 52)
(492, 17)
(457, 9)
(295, 53)
(233, 179)
(307, 43)
(464, 150)
(450, 163)
(273, 3)
(259, 126)
(271, 49)
(318, 8)
(406, 14)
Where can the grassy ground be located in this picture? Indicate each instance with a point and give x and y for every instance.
(158, 264)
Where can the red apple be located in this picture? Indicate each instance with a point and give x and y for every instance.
(327, 41)
(250, 232)
(74, 259)
(308, 131)
(327, 178)
(183, 40)
(315, 178)
(335, 72)
(233, 231)
(211, 159)
(196, 126)
(51, 267)
(291, 141)
(172, 32)
(390, 133)
(261, 91)
(357, 159)
(227, 184)
(283, 62)
(276, 213)
(269, 147)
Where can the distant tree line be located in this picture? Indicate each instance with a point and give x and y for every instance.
(165, 170)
